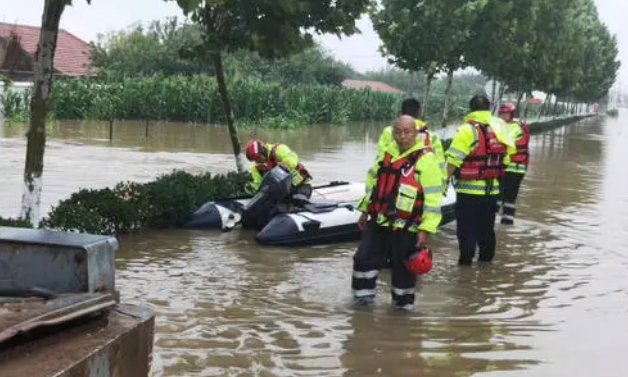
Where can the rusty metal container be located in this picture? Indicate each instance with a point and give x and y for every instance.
(62, 262)
(59, 315)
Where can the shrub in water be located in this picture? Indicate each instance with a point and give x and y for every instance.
(163, 203)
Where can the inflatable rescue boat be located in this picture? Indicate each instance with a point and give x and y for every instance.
(330, 215)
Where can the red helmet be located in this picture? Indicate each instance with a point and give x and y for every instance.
(420, 262)
(254, 149)
(507, 108)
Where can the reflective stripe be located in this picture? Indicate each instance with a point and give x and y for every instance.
(457, 153)
(508, 217)
(363, 292)
(510, 205)
(443, 165)
(432, 190)
(475, 136)
(365, 275)
(516, 168)
(431, 209)
(403, 291)
(499, 203)
(468, 186)
(461, 187)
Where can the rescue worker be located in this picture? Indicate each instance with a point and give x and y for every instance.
(400, 209)
(516, 170)
(266, 157)
(476, 159)
(412, 107)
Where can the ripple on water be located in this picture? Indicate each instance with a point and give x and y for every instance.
(554, 297)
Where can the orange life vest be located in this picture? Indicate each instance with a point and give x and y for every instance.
(272, 162)
(486, 161)
(390, 176)
(523, 154)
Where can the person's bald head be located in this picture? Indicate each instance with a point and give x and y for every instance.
(405, 132)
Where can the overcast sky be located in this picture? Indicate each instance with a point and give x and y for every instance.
(360, 50)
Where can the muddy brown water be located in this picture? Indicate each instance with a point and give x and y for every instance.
(553, 304)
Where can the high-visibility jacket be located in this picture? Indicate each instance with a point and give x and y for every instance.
(466, 140)
(427, 137)
(521, 135)
(278, 153)
(428, 189)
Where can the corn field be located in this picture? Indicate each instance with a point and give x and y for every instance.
(196, 99)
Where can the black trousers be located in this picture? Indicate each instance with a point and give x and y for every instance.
(382, 248)
(509, 185)
(475, 226)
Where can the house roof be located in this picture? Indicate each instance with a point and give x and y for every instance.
(71, 56)
(373, 85)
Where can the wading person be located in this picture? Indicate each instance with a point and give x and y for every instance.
(412, 107)
(518, 166)
(476, 159)
(400, 209)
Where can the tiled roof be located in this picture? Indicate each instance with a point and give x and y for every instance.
(373, 85)
(71, 55)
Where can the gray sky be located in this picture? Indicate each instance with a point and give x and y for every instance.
(360, 50)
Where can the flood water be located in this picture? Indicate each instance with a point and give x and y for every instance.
(554, 303)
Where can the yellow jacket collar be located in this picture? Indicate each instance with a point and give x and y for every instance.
(483, 116)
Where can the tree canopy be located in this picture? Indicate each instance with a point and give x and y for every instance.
(559, 47)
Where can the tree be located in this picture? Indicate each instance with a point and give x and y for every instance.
(458, 26)
(40, 101)
(156, 49)
(426, 36)
(140, 51)
(271, 28)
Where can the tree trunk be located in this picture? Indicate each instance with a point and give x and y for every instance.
(500, 95)
(426, 95)
(36, 135)
(226, 104)
(494, 91)
(524, 112)
(450, 80)
(519, 98)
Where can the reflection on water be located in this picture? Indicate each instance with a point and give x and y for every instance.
(553, 303)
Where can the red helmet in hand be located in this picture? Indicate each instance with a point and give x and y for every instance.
(420, 262)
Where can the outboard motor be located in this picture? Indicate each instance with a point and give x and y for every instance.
(275, 186)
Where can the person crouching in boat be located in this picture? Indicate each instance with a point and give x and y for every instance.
(518, 166)
(400, 209)
(266, 157)
(412, 107)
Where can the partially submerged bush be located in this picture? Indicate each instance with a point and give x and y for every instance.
(163, 203)
(612, 112)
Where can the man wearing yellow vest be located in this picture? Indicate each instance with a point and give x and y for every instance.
(412, 107)
(516, 170)
(403, 201)
(266, 156)
(476, 159)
